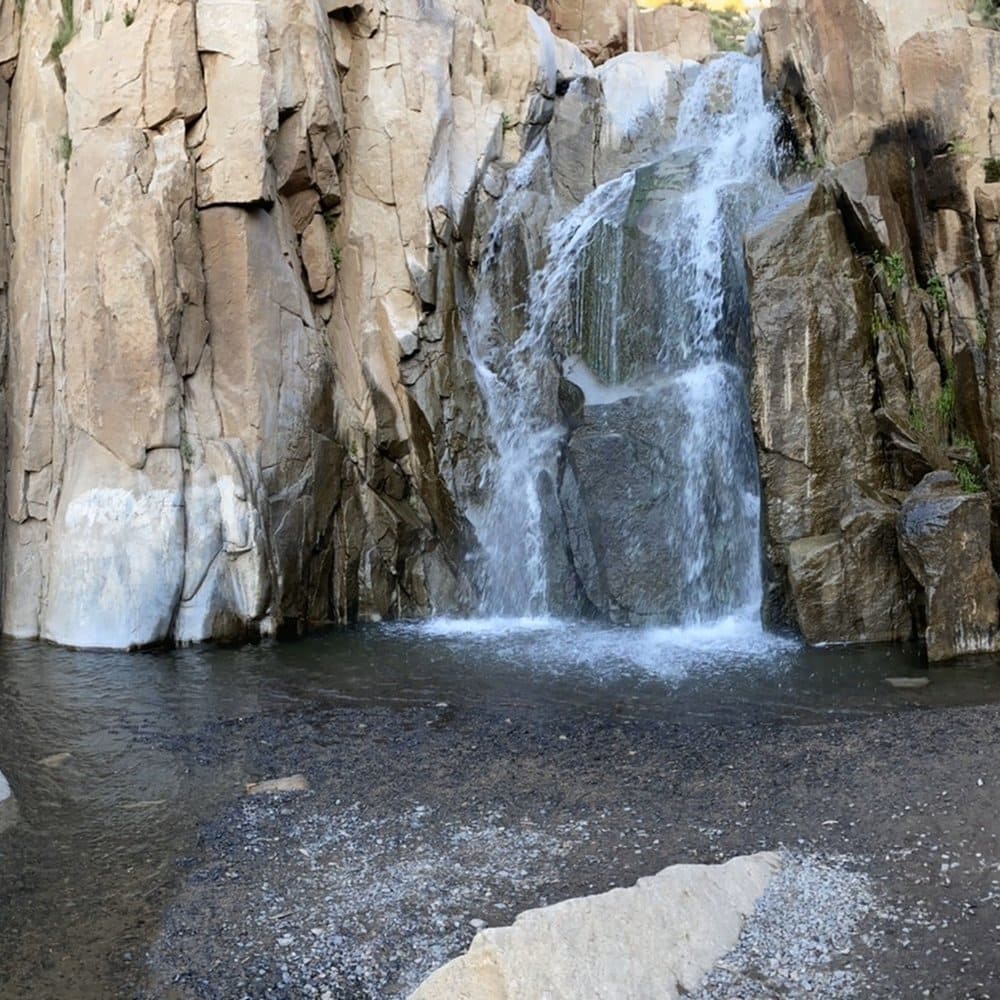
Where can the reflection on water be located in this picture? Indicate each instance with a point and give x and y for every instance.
(112, 776)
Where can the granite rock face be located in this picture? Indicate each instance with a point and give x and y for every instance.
(602, 29)
(873, 292)
(944, 535)
(240, 240)
(228, 227)
(239, 249)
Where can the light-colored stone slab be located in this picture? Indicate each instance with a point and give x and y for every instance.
(293, 783)
(907, 683)
(656, 939)
(8, 808)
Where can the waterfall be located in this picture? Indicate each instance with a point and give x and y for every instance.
(638, 297)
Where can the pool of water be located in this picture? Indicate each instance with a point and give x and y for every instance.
(109, 805)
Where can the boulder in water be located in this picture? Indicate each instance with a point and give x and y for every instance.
(8, 808)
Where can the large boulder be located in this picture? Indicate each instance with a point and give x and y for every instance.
(656, 939)
(601, 28)
(812, 386)
(944, 536)
(836, 596)
(654, 528)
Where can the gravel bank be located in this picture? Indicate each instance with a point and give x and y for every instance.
(425, 823)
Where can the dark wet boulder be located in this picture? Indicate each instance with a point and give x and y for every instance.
(944, 538)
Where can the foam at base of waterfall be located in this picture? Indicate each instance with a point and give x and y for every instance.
(556, 645)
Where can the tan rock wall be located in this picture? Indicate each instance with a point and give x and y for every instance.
(225, 231)
(600, 28)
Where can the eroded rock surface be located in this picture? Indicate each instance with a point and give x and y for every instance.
(228, 224)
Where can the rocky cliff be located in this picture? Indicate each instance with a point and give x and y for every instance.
(233, 231)
(239, 247)
(874, 301)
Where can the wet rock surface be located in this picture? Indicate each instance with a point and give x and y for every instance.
(944, 536)
(424, 822)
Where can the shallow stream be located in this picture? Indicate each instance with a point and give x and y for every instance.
(98, 746)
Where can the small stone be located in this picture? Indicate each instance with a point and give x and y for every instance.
(908, 682)
(55, 759)
(478, 923)
(293, 783)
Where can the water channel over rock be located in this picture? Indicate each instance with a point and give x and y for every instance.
(624, 482)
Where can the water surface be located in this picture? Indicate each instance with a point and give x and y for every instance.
(103, 833)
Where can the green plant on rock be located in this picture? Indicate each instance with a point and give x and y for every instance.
(65, 31)
(809, 165)
(964, 443)
(64, 148)
(885, 324)
(946, 401)
(961, 147)
(129, 17)
(507, 123)
(991, 168)
(336, 256)
(19, 4)
(982, 330)
(892, 268)
(968, 479)
(936, 290)
(917, 419)
(989, 11)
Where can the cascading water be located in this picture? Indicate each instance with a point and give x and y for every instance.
(641, 302)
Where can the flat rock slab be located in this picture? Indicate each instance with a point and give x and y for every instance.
(658, 938)
(906, 683)
(293, 783)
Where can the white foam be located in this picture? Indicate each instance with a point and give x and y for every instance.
(596, 652)
(489, 627)
(596, 392)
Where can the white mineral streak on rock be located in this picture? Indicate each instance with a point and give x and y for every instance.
(117, 554)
